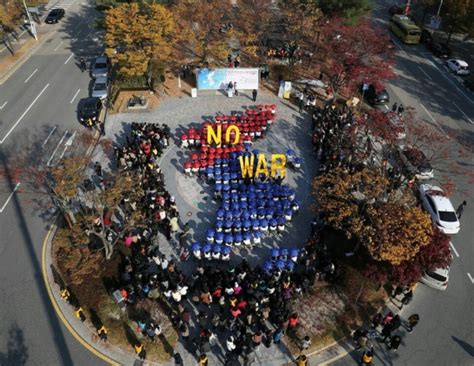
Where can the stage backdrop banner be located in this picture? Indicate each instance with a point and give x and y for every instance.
(209, 79)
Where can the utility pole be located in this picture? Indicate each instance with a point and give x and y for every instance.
(32, 25)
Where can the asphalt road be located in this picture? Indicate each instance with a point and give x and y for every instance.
(38, 117)
(445, 333)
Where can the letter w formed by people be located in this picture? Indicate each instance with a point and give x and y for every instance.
(246, 165)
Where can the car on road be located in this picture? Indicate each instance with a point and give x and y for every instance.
(375, 97)
(439, 49)
(100, 67)
(416, 163)
(55, 15)
(459, 67)
(440, 208)
(437, 278)
(89, 111)
(426, 36)
(100, 88)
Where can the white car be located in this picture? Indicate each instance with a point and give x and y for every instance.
(459, 67)
(437, 279)
(440, 208)
(100, 88)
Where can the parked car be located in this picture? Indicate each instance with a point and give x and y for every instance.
(89, 111)
(100, 88)
(439, 49)
(459, 67)
(375, 97)
(426, 36)
(55, 15)
(100, 67)
(437, 278)
(440, 208)
(417, 163)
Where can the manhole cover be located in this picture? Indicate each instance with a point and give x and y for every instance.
(189, 213)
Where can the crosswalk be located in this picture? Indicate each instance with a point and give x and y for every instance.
(64, 4)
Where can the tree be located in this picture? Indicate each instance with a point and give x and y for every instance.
(351, 55)
(437, 254)
(457, 15)
(199, 22)
(253, 22)
(138, 34)
(351, 10)
(343, 197)
(395, 233)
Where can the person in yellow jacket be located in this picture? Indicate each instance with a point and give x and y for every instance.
(203, 360)
(140, 351)
(366, 359)
(65, 294)
(79, 313)
(102, 332)
(302, 360)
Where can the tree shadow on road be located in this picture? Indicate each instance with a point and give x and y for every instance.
(17, 352)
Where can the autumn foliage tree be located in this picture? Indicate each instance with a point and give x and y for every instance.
(138, 34)
(437, 254)
(199, 23)
(395, 233)
(351, 55)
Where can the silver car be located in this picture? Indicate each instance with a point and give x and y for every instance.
(100, 88)
(100, 67)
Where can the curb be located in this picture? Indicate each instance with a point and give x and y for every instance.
(47, 277)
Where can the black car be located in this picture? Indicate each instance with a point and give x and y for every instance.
(416, 163)
(54, 15)
(439, 49)
(375, 97)
(426, 36)
(89, 111)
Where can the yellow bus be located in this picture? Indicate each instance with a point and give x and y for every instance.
(405, 29)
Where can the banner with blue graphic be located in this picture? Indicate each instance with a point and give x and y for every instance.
(213, 79)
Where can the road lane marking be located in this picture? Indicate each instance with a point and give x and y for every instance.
(67, 144)
(433, 119)
(452, 83)
(3, 105)
(470, 277)
(454, 249)
(65, 62)
(75, 95)
(59, 45)
(78, 24)
(386, 106)
(465, 115)
(23, 115)
(49, 136)
(10, 197)
(56, 149)
(29, 77)
(424, 72)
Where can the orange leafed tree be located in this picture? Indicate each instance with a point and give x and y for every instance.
(396, 233)
(199, 23)
(137, 34)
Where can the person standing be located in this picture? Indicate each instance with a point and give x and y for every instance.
(301, 103)
(394, 107)
(460, 209)
(386, 332)
(302, 360)
(82, 64)
(140, 351)
(203, 360)
(366, 358)
(394, 342)
(98, 169)
(400, 109)
(254, 95)
(407, 298)
(412, 322)
(305, 343)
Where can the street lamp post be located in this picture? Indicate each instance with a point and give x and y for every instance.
(32, 25)
(439, 7)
